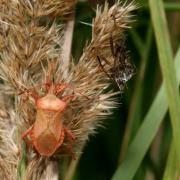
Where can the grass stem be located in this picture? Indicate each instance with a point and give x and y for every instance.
(167, 67)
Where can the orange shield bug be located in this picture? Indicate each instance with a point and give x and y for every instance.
(48, 132)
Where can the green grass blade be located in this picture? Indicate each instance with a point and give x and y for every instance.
(135, 101)
(169, 6)
(172, 6)
(171, 167)
(146, 133)
(167, 67)
(22, 164)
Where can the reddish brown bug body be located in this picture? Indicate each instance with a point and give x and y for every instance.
(48, 132)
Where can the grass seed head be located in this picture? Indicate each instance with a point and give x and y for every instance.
(28, 50)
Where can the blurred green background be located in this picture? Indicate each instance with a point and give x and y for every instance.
(108, 147)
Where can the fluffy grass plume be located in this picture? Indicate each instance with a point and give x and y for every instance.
(29, 47)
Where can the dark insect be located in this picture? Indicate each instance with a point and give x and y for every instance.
(122, 69)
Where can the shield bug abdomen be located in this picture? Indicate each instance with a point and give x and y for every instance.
(47, 142)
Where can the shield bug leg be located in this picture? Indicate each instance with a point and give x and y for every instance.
(26, 133)
(60, 87)
(71, 137)
(67, 148)
(69, 133)
(26, 93)
(61, 139)
(70, 97)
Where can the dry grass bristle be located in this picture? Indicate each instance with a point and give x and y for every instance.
(109, 22)
(55, 8)
(44, 169)
(36, 9)
(10, 150)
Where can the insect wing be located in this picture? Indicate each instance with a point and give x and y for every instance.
(123, 67)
